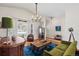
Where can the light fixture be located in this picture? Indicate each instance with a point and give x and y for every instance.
(36, 17)
(71, 33)
(7, 23)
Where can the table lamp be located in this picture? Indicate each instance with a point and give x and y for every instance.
(7, 23)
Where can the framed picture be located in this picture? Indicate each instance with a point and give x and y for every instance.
(58, 28)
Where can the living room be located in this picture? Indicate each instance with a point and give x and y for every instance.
(48, 31)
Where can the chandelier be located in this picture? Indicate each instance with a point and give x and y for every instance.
(36, 17)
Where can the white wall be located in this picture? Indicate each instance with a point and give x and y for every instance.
(51, 23)
(16, 13)
(71, 20)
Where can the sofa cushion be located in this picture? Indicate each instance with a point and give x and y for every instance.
(56, 52)
(62, 47)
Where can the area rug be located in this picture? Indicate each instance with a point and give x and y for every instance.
(29, 52)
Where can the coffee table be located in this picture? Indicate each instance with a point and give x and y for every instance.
(40, 44)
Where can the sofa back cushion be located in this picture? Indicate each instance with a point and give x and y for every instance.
(66, 42)
(63, 47)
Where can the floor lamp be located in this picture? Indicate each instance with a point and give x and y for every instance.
(71, 34)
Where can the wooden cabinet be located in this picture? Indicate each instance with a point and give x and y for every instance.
(12, 50)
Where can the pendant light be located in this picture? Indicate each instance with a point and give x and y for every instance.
(36, 17)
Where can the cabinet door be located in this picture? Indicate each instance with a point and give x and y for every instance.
(13, 51)
(16, 51)
(21, 50)
(0, 51)
(5, 51)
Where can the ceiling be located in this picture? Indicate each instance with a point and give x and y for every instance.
(44, 9)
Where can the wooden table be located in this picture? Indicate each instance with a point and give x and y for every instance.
(40, 43)
(57, 42)
(15, 49)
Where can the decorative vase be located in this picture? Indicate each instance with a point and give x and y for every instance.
(30, 38)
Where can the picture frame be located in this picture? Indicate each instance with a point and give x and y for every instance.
(58, 28)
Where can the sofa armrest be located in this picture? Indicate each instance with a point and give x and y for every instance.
(71, 49)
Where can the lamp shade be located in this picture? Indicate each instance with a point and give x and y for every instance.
(7, 22)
